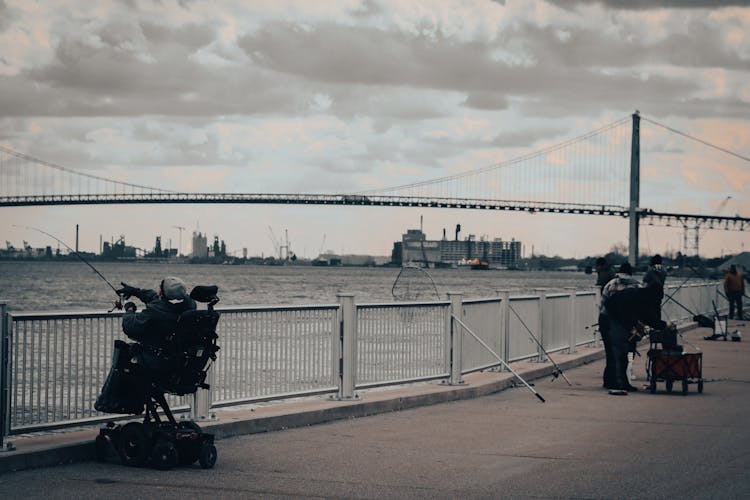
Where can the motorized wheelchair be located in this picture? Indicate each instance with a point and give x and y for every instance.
(141, 376)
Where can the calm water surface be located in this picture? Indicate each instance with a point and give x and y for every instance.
(73, 286)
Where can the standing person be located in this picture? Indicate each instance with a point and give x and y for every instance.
(625, 309)
(620, 281)
(604, 275)
(734, 287)
(655, 278)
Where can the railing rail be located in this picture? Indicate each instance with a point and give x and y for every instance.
(52, 365)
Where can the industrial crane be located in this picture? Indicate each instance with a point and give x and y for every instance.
(281, 248)
(697, 229)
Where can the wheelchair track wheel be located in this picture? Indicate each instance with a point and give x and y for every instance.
(164, 455)
(207, 455)
(134, 446)
(188, 455)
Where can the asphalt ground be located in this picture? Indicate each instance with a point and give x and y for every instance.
(581, 443)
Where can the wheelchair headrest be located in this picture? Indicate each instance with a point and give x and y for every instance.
(204, 293)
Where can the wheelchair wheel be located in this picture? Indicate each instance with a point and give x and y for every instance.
(164, 455)
(188, 453)
(101, 447)
(134, 445)
(207, 455)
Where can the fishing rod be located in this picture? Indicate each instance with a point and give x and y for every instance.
(74, 252)
(558, 371)
(506, 365)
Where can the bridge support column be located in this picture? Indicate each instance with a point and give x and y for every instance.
(635, 189)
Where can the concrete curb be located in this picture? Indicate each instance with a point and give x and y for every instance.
(79, 447)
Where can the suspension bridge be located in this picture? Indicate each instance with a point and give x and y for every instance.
(597, 173)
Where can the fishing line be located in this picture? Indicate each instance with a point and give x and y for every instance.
(74, 253)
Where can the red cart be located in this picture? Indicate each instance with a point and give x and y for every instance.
(671, 366)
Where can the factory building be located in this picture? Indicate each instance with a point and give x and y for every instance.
(200, 245)
(414, 247)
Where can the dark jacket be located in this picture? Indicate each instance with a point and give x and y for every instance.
(635, 304)
(152, 325)
(655, 277)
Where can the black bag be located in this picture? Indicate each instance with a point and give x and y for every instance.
(124, 391)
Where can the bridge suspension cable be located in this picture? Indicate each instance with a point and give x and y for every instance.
(692, 137)
(591, 168)
(20, 175)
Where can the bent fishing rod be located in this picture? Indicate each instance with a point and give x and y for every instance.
(74, 252)
(558, 371)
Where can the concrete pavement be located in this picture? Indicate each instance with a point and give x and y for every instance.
(582, 443)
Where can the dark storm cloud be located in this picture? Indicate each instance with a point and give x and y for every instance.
(486, 100)
(120, 77)
(652, 4)
(586, 48)
(6, 17)
(571, 73)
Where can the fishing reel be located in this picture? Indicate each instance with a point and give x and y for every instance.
(117, 306)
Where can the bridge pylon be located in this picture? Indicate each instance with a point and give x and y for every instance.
(635, 189)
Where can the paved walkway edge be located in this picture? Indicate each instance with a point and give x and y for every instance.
(82, 448)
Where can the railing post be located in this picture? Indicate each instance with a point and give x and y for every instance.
(347, 345)
(505, 326)
(540, 324)
(5, 327)
(573, 339)
(201, 407)
(455, 337)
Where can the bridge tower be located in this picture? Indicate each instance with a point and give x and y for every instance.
(635, 188)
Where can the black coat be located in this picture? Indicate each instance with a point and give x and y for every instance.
(636, 304)
(159, 319)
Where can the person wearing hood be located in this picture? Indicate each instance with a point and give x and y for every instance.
(157, 321)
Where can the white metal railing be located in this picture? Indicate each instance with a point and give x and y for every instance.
(52, 366)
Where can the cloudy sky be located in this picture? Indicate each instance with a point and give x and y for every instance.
(348, 95)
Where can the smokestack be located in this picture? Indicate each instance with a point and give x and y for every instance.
(458, 230)
(421, 220)
(76, 238)
(100, 245)
(444, 238)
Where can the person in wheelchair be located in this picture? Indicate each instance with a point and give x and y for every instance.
(151, 326)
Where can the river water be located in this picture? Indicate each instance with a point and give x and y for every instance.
(73, 286)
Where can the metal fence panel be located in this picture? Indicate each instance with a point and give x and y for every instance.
(556, 322)
(400, 342)
(520, 344)
(483, 317)
(277, 351)
(587, 315)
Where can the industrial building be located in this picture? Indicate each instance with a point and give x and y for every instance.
(414, 247)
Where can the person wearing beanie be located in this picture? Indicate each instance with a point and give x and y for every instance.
(158, 319)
